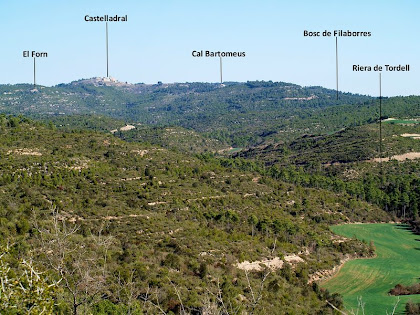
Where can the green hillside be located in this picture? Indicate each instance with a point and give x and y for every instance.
(174, 137)
(239, 113)
(139, 178)
(168, 226)
(354, 144)
(347, 161)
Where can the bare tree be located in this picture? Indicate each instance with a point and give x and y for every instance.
(128, 291)
(216, 303)
(361, 307)
(209, 307)
(183, 312)
(152, 298)
(256, 296)
(220, 299)
(24, 289)
(338, 310)
(81, 262)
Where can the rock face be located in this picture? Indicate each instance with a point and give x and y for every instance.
(326, 274)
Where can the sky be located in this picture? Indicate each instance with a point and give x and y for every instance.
(157, 41)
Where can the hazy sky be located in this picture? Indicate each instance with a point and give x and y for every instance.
(157, 41)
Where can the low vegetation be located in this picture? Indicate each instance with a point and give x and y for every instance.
(165, 230)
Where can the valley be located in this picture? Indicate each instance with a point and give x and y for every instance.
(196, 209)
(209, 158)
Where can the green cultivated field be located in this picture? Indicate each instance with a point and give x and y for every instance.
(397, 261)
(400, 121)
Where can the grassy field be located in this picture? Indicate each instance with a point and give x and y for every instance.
(234, 150)
(397, 261)
(400, 121)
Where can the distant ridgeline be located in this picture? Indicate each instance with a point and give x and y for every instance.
(241, 114)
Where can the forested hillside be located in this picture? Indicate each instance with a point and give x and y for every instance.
(171, 137)
(141, 180)
(238, 113)
(348, 161)
(353, 144)
(241, 114)
(130, 228)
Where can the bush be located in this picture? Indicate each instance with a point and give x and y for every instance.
(172, 261)
(24, 290)
(412, 308)
(405, 290)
